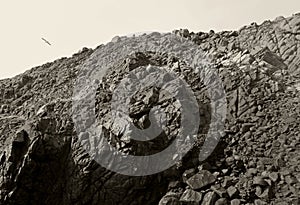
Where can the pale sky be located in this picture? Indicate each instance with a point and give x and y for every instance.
(72, 24)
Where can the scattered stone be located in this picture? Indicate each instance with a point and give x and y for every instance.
(266, 194)
(290, 179)
(273, 176)
(191, 197)
(209, 198)
(259, 181)
(187, 174)
(252, 171)
(258, 191)
(235, 202)
(260, 202)
(228, 181)
(170, 199)
(232, 191)
(230, 161)
(201, 179)
(256, 161)
(222, 201)
(221, 191)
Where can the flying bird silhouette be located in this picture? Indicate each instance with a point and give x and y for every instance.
(46, 41)
(3, 159)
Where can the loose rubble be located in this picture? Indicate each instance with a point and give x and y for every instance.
(256, 162)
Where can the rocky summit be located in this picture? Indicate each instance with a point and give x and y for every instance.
(257, 160)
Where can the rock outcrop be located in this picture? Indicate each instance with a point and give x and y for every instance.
(256, 161)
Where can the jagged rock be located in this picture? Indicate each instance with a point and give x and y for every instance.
(265, 195)
(259, 181)
(201, 179)
(228, 181)
(209, 198)
(266, 55)
(170, 199)
(235, 202)
(260, 202)
(191, 197)
(187, 174)
(273, 176)
(219, 190)
(290, 179)
(222, 201)
(232, 191)
(258, 156)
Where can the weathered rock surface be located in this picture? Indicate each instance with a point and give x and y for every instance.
(257, 161)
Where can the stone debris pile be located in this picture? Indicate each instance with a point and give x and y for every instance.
(256, 161)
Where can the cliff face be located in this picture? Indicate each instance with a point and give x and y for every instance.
(43, 158)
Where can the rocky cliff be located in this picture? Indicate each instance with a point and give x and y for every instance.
(43, 159)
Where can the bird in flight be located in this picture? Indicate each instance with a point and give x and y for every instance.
(3, 159)
(46, 41)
